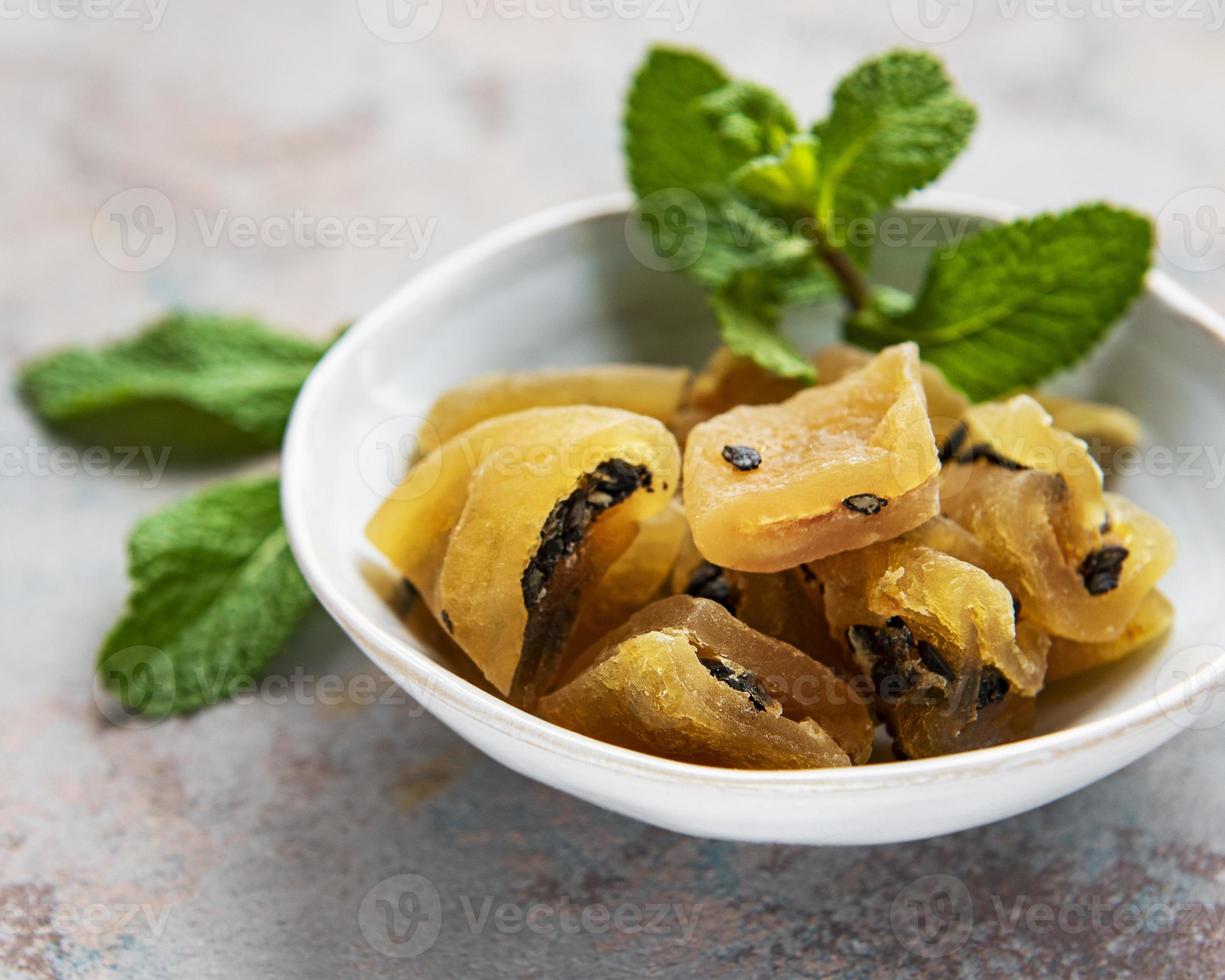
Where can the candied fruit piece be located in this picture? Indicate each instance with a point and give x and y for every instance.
(683, 678)
(1018, 435)
(1105, 428)
(867, 434)
(1151, 621)
(775, 603)
(728, 380)
(945, 404)
(640, 388)
(937, 637)
(502, 529)
(639, 576)
(1081, 584)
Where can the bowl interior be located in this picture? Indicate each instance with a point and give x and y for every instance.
(573, 293)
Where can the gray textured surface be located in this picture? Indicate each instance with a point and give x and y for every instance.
(241, 842)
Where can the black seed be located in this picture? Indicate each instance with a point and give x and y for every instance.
(744, 458)
(711, 582)
(1106, 526)
(892, 642)
(1102, 569)
(892, 681)
(934, 661)
(446, 621)
(809, 575)
(992, 686)
(744, 681)
(952, 445)
(983, 451)
(865, 503)
(606, 486)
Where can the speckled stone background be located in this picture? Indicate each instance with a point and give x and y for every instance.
(245, 841)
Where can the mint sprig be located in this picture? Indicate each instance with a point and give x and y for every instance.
(1021, 301)
(208, 385)
(797, 219)
(215, 593)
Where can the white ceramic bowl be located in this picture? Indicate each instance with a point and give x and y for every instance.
(564, 288)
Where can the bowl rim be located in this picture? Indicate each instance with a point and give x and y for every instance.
(406, 663)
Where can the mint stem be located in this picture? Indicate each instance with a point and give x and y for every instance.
(851, 282)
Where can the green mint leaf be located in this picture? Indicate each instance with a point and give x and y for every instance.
(788, 180)
(207, 385)
(748, 118)
(896, 124)
(669, 144)
(215, 593)
(714, 239)
(1019, 302)
(748, 308)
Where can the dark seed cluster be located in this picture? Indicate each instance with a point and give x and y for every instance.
(952, 445)
(744, 458)
(738, 679)
(446, 621)
(988, 454)
(865, 503)
(889, 650)
(607, 485)
(711, 582)
(1102, 569)
(992, 686)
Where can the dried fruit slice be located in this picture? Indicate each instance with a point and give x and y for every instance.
(638, 577)
(728, 380)
(776, 603)
(640, 388)
(1151, 621)
(1079, 584)
(687, 680)
(937, 636)
(842, 465)
(502, 528)
(1106, 429)
(1017, 435)
(945, 404)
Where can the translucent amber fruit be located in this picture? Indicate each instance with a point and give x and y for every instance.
(642, 574)
(775, 603)
(996, 724)
(726, 381)
(1151, 621)
(1105, 428)
(685, 679)
(1081, 584)
(502, 529)
(841, 466)
(640, 388)
(936, 636)
(945, 404)
(1018, 434)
